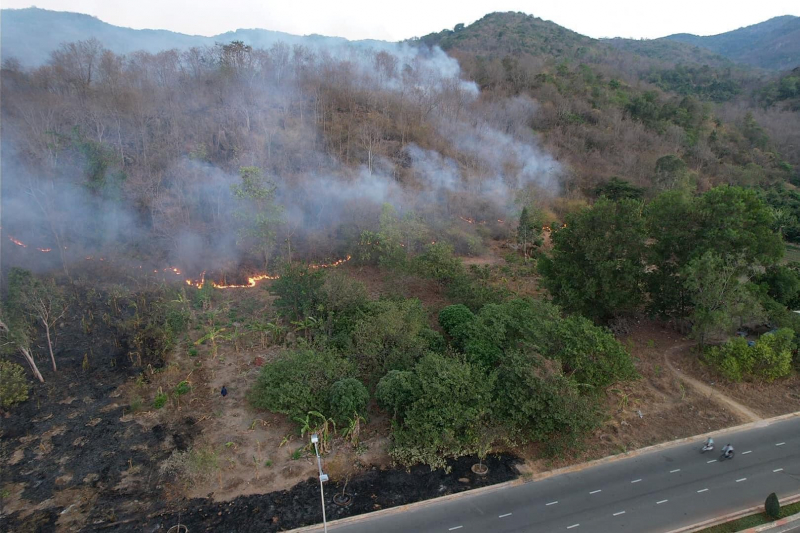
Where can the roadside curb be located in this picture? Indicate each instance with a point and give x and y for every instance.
(414, 505)
(526, 478)
(741, 514)
(771, 525)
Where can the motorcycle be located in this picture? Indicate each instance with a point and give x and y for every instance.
(726, 455)
(706, 448)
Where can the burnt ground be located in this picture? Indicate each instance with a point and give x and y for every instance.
(73, 457)
(300, 506)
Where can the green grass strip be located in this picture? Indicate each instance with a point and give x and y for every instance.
(751, 521)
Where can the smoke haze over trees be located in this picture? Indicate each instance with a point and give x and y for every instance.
(142, 152)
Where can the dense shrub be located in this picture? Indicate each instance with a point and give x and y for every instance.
(769, 359)
(299, 381)
(453, 319)
(772, 506)
(447, 417)
(298, 290)
(348, 397)
(342, 298)
(13, 384)
(589, 353)
(396, 391)
(388, 336)
(536, 402)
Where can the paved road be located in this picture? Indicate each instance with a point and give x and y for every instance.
(655, 492)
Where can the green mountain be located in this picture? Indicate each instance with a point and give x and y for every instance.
(773, 44)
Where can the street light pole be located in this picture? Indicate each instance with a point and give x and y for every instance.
(322, 477)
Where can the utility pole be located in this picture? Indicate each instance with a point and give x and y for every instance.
(322, 478)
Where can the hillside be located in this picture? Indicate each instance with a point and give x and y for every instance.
(773, 44)
(425, 257)
(30, 34)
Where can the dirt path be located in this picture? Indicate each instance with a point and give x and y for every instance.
(702, 388)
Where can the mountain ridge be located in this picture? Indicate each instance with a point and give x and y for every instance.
(30, 34)
(773, 44)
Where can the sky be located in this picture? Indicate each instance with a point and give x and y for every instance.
(397, 20)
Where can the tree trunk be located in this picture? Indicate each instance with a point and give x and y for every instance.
(29, 358)
(50, 344)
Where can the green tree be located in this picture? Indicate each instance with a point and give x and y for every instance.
(721, 300)
(596, 267)
(348, 398)
(671, 173)
(618, 189)
(736, 221)
(13, 385)
(529, 230)
(673, 223)
(258, 215)
(41, 300)
(783, 284)
(453, 319)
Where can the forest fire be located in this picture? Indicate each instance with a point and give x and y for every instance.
(253, 280)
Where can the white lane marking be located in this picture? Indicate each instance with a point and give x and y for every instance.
(743, 479)
(619, 513)
(780, 444)
(676, 470)
(778, 470)
(454, 528)
(711, 461)
(573, 525)
(636, 481)
(702, 490)
(662, 501)
(748, 451)
(595, 491)
(504, 515)
(552, 503)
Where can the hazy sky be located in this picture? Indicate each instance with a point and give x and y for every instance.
(401, 19)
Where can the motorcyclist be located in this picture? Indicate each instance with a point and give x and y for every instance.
(709, 445)
(728, 450)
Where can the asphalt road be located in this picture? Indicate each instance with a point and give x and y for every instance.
(658, 491)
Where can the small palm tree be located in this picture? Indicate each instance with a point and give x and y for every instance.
(212, 333)
(353, 429)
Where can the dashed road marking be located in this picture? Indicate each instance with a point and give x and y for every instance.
(748, 451)
(711, 461)
(702, 490)
(552, 503)
(595, 491)
(778, 470)
(780, 444)
(676, 470)
(743, 479)
(573, 525)
(454, 528)
(662, 501)
(636, 481)
(619, 513)
(504, 515)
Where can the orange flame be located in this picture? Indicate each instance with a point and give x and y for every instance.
(253, 280)
(18, 243)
